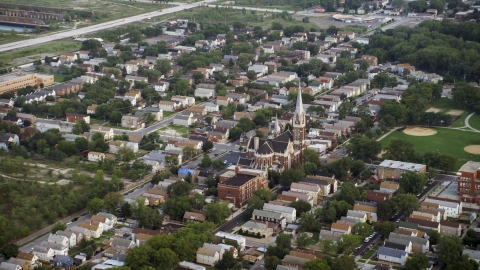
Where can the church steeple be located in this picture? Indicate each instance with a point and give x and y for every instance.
(299, 106)
(276, 129)
(299, 125)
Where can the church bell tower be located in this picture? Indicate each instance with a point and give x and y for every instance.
(299, 124)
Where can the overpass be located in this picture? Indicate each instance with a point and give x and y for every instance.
(96, 27)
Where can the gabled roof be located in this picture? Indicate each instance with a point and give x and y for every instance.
(391, 252)
(267, 214)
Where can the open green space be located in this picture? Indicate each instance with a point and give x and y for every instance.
(55, 47)
(183, 131)
(167, 114)
(7, 37)
(369, 254)
(58, 78)
(474, 121)
(446, 104)
(446, 141)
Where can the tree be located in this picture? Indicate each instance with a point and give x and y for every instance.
(217, 212)
(312, 156)
(218, 164)
(449, 249)
(126, 209)
(245, 124)
(301, 206)
(284, 241)
(349, 242)
(265, 194)
(125, 154)
(206, 161)
(344, 263)
(400, 150)
(327, 245)
(384, 228)
(363, 148)
(362, 229)
(309, 223)
(10, 250)
(59, 226)
(112, 201)
(290, 176)
(406, 203)
(317, 264)
(81, 143)
(385, 209)
(303, 240)
(413, 182)
(164, 66)
(148, 218)
(227, 261)
(94, 206)
(434, 237)
(208, 120)
(115, 117)
(417, 261)
(465, 264)
(80, 127)
(207, 146)
(179, 188)
(271, 262)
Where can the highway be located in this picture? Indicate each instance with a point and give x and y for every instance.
(96, 27)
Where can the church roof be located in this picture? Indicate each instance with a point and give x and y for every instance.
(265, 149)
(278, 146)
(284, 137)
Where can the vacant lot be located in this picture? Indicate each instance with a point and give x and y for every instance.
(441, 142)
(27, 55)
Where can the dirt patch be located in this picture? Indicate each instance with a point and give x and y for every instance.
(170, 132)
(472, 149)
(455, 112)
(419, 131)
(381, 154)
(433, 109)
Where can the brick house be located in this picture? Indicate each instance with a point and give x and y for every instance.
(74, 117)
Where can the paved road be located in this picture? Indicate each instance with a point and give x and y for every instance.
(256, 9)
(97, 27)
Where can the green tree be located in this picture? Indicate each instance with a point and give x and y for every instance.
(207, 146)
(265, 194)
(10, 250)
(317, 264)
(284, 241)
(303, 240)
(384, 228)
(406, 203)
(449, 249)
(362, 229)
(328, 246)
(349, 242)
(290, 176)
(434, 237)
(401, 150)
(301, 206)
(417, 261)
(164, 66)
(112, 201)
(81, 143)
(126, 210)
(218, 164)
(115, 117)
(227, 261)
(59, 226)
(206, 161)
(413, 182)
(344, 263)
(385, 209)
(179, 188)
(217, 212)
(271, 262)
(95, 205)
(363, 148)
(309, 223)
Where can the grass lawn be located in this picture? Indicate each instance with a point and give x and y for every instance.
(363, 261)
(183, 131)
(58, 78)
(6, 37)
(474, 121)
(369, 254)
(94, 121)
(446, 104)
(398, 267)
(167, 114)
(446, 141)
(56, 47)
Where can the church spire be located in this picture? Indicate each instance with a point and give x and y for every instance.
(299, 108)
(276, 129)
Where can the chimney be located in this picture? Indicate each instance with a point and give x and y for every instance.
(256, 142)
(237, 169)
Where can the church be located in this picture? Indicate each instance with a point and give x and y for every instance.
(281, 150)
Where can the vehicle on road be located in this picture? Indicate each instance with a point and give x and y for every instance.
(216, 154)
(68, 223)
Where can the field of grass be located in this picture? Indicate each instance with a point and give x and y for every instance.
(28, 54)
(58, 78)
(167, 114)
(6, 37)
(369, 254)
(474, 121)
(446, 141)
(183, 131)
(446, 104)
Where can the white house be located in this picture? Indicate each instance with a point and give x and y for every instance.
(161, 86)
(106, 131)
(207, 256)
(239, 239)
(289, 213)
(220, 249)
(58, 249)
(7, 140)
(59, 239)
(259, 69)
(452, 209)
(168, 106)
(43, 253)
(95, 156)
(205, 93)
(72, 237)
(211, 107)
(10, 266)
(308, 188)
(392, 255)
(95, 229)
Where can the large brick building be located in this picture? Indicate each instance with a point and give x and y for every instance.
(393, 169)
(14, 81)
(282, 151)
(238, 186)
(468, 185)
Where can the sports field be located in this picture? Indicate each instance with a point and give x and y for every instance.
(446, 141)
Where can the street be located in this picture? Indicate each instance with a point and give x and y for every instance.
(97, 27)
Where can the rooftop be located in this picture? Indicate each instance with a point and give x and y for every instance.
(402, 165)
(239, 179)
(470, 167)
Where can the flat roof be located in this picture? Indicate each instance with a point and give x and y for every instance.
(239, 179)
(470, 167)
(414, 167)
(13, 76)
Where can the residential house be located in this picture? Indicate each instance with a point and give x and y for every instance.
(204, 93)
(294, 262)
(59, 239)
(122, 246)
(257, 228)
(8, 140)
(106, 131)
(197, 109)
(161, 86)
(207, 256)
(371, 211)
(273, 218)
(394, 169)
(392, 255)
(168, 106)
(289, 213)
(211, 107)
(58, 249)
(10, 266)
(220, 237)
(334, 236)
(452, 208)
(370, 59)
(419, 245)
(450, 228)
(376, 196)
(308, 188)
(106, 223)
(95, 156)
(194, 217)
(472, 254)
(96, 230)
(74, 117)
(43, 253)
(341, 228)
(133, 122)
(389, 187)
(80, 233)
(184, 119)
(72, 237)
(91, 109)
